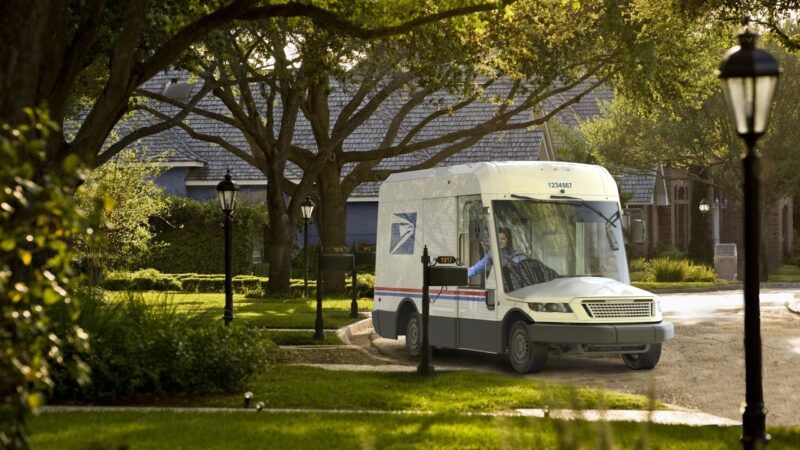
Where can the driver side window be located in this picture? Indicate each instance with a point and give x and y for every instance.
(470, 223)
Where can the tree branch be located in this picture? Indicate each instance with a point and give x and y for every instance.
(150, 130)
(206, 137)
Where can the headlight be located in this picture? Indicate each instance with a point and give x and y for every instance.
(550, 307)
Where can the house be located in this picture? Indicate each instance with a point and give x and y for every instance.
(665, 198)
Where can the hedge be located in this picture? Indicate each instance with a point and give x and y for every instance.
(153, 280)
(190, 238)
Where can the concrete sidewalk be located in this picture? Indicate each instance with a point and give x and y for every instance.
(691, 418)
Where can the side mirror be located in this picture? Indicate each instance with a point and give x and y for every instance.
(633, 221)
(612, 240)
(490, 299)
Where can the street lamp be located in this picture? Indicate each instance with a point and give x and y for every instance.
(704, 207)
(749, 77)
(227, 191)
(306, 208)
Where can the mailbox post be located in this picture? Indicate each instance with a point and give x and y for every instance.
(435, 276)
(336, 259)
(360, 258)
(319, 333)
(425, 367)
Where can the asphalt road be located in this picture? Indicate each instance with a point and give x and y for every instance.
(702, 368)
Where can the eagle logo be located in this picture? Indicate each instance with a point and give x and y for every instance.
(404, 227)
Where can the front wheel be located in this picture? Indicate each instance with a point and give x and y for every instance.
(414, 334)
(643, 361)
(525, 356)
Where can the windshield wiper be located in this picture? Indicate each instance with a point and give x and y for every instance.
(583, 202)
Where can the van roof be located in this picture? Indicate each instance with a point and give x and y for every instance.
(535, 178)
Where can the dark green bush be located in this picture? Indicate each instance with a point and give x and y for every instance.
(672, 252)
(789, 270)
(141, 280)
(216, 283)
(189, 238)
(153, 280)
(141, 348)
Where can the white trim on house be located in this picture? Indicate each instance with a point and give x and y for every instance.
(362, 199)
(216, 182)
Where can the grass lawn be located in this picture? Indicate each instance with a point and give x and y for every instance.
(270, 312)
(286, 386)
(179, 430)
(302, 337)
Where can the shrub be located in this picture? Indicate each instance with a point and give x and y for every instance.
(216, 283)
(252, 286)
(641, 276)
(141, 280)
(668, 269)
(639, 265)
(700, 273)
(189, 237)
(38, 223)
(124, 235)
(671, 251)
(141, 348)
(789, 270)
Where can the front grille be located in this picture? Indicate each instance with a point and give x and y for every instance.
(619, 310)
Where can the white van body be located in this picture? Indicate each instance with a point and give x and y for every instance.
(564, 287)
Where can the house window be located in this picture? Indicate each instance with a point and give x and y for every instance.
(681, 220)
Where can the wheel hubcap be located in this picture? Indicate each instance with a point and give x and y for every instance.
(413, 334)
(520, 346)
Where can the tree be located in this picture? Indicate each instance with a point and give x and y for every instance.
(509, 63)
(776, 17)
(700, 140)
(124, 195)
(96, 51)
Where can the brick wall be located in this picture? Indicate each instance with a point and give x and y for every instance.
(777, 219)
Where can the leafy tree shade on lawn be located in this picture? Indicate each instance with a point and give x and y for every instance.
(159, 430)
(270, 312)
(295, 386)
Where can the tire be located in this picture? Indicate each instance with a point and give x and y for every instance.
(525, 356)
(414, 334)
(643, 361)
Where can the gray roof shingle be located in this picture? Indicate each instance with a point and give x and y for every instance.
(521, 144)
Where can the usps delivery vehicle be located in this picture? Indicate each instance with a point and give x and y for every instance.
(548, 272)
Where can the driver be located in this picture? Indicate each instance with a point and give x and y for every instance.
(508, 257)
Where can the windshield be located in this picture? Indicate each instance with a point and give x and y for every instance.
(543, 240)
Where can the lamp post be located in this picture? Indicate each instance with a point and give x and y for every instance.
(704, 207)
(749, 77)
(227, 191)
(306, 208)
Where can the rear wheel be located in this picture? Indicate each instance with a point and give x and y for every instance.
(643, 361)
(525, 356)
(414, 334)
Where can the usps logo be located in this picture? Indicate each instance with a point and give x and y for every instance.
(404, 227)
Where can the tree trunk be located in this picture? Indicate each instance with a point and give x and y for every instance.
(332, 220)
(22, 39)
(281, 235)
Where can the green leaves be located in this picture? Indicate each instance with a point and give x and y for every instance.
(37, 217)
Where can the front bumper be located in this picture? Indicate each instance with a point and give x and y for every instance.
(605, 334)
